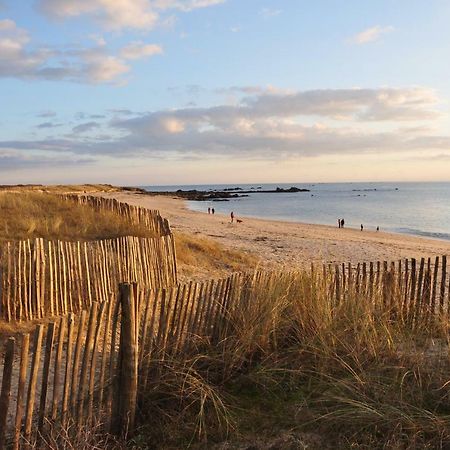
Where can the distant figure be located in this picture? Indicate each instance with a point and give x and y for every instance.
(362, 228)
(378, 228)
(232, 216)
(342, 223)
(339, 223)
(209, 210)
(213, 211)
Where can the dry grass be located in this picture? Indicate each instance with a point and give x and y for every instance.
(200, 258)
(30, 215)
(60, 188)
(27, 215)
(354, 375)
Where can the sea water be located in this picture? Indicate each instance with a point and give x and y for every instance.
(421, 209)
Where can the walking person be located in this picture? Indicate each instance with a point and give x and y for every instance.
(339, 223)
(362, 228)
(209, 210)
(232, 216)
(342, 223)
(213, 211)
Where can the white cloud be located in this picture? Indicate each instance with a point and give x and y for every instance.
(137, 50)
(14, 58)
(371, 34)
(19, 59)
(120, 14)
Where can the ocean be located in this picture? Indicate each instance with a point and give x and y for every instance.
(421, 209)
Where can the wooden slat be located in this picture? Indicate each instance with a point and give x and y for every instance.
(39, 333)
(21, 390)
(45, 374)
(5, 393)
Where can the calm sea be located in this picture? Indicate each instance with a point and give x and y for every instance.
(421, 209)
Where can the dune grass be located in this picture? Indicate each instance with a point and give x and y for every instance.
(30, 215)
(200, 258)
(353, 375)
(59, 188)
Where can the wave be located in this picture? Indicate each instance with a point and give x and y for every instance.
(429, 234)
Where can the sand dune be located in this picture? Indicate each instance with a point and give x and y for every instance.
(288, 243)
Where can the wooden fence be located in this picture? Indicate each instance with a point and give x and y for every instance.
(422, 284)
(151, 219)
(94, 366)
(50, 278)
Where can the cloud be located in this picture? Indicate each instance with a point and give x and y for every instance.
(137, 50)
(49, 125)
(16, 161)
(120, 14)
(371, 34)
(123, 112)
(264, 125)
(92, 65)
(267, 13)
(46, 114)
(85, 127)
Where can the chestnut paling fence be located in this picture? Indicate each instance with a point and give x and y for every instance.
(150, 218)
(48, 278)
(81, 368)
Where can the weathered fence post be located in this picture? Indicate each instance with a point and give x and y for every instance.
(126, 394)
(6, 389)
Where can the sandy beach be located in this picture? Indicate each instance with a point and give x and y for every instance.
(288, 243)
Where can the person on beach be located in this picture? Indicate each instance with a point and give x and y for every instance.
(209, 210)
(378, 228)
(339, 223)
(362, 228)
(213, 211)
(232, 216)
(342, 223)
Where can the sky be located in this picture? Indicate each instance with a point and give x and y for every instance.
(154, 92)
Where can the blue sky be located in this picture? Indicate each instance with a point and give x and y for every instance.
(203, 91)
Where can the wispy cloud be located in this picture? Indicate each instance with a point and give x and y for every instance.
(123, 14)
(85, 127)
(46, 114)
(370, 34)
(267, 13)
(138, 50)
(49, 125)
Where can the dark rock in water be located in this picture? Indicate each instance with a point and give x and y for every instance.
(228, 193)
(291, 189)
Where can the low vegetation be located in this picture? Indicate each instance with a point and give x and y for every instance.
(200, 258)
(30, 215)
(298, 371)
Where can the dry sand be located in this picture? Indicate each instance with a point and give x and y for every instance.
(289, 243)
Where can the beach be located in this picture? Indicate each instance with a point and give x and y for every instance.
(286, 243)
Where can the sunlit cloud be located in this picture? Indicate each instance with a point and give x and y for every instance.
(123, 14)
(371, 34)
(91, 65)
